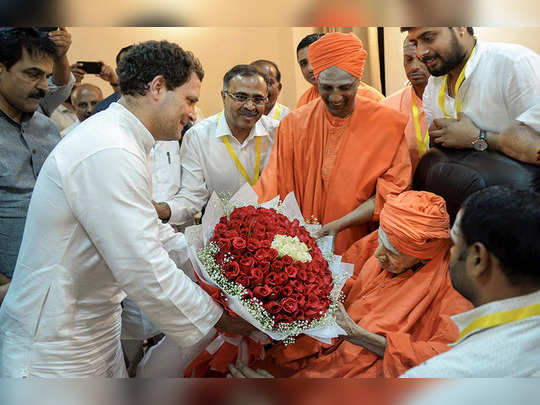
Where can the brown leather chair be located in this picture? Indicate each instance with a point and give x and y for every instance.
(455, 174)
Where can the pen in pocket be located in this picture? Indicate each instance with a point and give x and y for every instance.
(169, 157)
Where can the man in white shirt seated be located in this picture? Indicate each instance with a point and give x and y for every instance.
(270, 70)
(494, 264)
(92, 236)
(226, 150)
(83, 98)
(480, 94)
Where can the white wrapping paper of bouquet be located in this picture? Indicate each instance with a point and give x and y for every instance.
(197, 237)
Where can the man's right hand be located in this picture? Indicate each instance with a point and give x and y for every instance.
(234, 326)
(163, 210)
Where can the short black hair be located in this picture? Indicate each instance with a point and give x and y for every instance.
(470, 30)
(308, 40)
(269, 62)
(14, 40)
(507, 222)
(144, 61)
(121, 51)
(244, 71)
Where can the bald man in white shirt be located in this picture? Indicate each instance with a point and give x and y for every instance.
(92, 235)
(480, 95)
(226, 150)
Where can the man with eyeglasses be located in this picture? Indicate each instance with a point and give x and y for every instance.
(223, 152)
(27, 136)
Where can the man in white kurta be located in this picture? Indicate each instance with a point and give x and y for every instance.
(92, 235)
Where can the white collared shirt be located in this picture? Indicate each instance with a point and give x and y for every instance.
(507, 350)
(207, 165)
(166, 169)
(91, 236)
(501, 88)
(278, 111)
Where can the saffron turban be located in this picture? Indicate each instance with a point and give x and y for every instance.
(416, 223)
(344, 51)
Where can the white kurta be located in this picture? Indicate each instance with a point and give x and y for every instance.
(508, 350)
(91, 234)
(208, 167)
(501, 88)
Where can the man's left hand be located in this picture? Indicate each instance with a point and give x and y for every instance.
(452, 133)
(163, 210)
(62, 39)
(108, 74)
(244, 371)
(345, 321)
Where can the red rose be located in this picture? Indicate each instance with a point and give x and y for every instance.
(256, 275)
(299, 298)
(252, 245)
(220, 229)
(287, 260)
(231, 270)
(289, 305)
(247, 295)
(262, 291)
(282, 318)
(238, 243)
(287, 291)
(261, 255)
(282, 278)
(271, 279)
(276, 264)
(231, 233)
(235, 224)
(224, 244)
(272, 254)
(272, 307)
(246, 263)
(291, 271)
(302, 275)
(310, 277)
(258, 235)
(299, 315)
(243, 280)
(277, 291)
(265, 243)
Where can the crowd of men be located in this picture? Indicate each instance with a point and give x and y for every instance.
(95, 194)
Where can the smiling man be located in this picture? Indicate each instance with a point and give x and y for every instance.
(409, 101)
(223, 152)
(92, 235)
(481, 95)
(26, 136)
(341, 155)
(364, 90)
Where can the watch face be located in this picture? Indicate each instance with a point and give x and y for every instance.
(481, 145)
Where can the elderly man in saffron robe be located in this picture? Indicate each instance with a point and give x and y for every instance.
(397, 310)
(342, 155)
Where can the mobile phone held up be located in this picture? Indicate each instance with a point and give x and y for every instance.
(90, 67)
(47, 29)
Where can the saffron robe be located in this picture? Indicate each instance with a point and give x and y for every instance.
(364, 90)
(335, 164)
(412, 310)
(402, 102)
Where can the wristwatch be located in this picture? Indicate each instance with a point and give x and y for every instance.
(480, 144)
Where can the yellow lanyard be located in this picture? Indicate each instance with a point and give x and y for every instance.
(237, 161)
(501, 318)
(278, 110)
(423, 143)
(460, 79)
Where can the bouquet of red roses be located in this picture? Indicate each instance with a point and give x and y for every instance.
(268, 267)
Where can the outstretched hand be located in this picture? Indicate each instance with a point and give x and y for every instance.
(244, 371)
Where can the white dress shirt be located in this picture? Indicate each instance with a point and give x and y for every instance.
(166, 169)
(506, 350)
(91, 236)
(278, 112)
(207, 165)
(501, 88)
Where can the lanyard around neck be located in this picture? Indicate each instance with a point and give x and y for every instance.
(460, 79)
(278, 110)
(423, 142)
(500, 318)
(237, 162)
